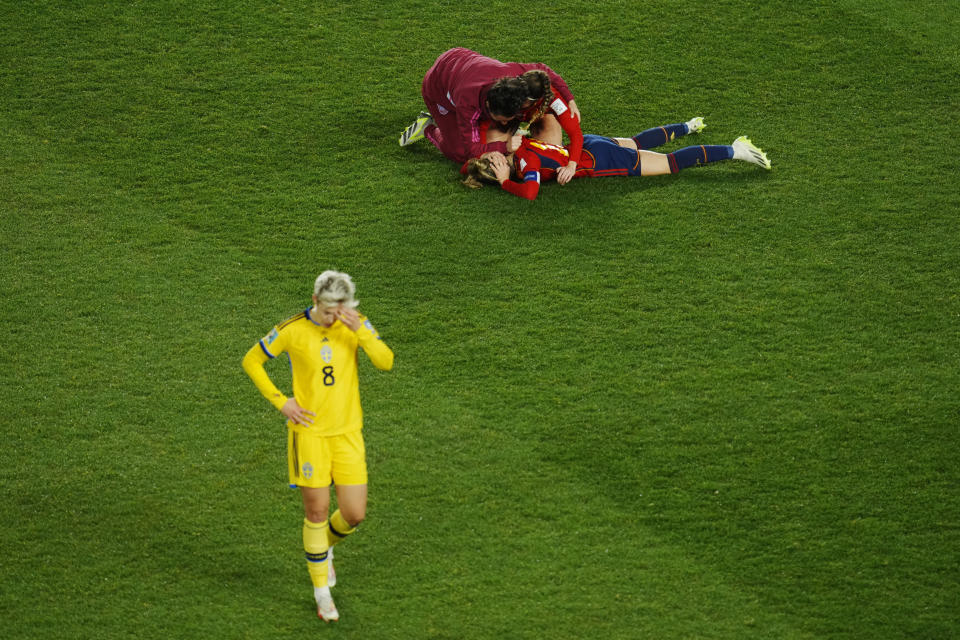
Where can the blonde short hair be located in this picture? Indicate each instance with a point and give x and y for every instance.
(334, 288)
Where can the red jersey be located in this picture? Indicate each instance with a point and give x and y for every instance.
(535, 161)
(458, 83)
(560, 108)
(601, 157)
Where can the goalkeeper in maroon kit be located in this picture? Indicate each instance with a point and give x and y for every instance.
(476, 102)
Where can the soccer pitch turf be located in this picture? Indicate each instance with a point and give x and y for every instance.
(721, 404)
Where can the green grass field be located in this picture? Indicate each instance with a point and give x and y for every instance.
(722, 404)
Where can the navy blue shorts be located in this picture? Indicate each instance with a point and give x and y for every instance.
(609, 158)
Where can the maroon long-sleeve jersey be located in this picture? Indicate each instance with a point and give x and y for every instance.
(458, 83)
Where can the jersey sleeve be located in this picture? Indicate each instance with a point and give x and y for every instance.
(373, 345)
(475, 137)
(471, 126)
(528, 189)
(571, 127)
(274, 343)
(529, 169)
(253, 365)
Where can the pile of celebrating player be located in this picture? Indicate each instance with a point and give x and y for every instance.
(476, 108)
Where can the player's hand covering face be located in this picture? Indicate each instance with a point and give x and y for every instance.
(349, 317)
(326, 316)
(500, 166)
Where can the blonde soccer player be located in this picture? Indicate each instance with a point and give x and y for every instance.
(324, 417)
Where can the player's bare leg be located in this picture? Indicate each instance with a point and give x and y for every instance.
(352, 509)
(352, 502)
(547, 129)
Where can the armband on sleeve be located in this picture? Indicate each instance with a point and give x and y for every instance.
(528, 189)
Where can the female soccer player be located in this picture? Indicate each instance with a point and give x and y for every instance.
(324, 418)
(548, 111)
(535, 161)
(461, 90)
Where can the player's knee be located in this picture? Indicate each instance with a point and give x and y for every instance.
(316, 511)
(547, 129)
(316, 516)
(354, 518)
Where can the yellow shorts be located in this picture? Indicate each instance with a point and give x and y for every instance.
(316, 461)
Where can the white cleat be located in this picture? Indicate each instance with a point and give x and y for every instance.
(326, 610)
(745, 150)
(415, 131)
(331, 572)
(696, 125)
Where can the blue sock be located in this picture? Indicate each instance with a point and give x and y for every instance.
(659, 135)
(701, 154)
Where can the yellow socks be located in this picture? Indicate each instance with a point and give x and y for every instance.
(318, 537)
(338, 529)
(316, 548)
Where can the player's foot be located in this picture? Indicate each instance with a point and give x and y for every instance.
(415, 131)
(745, 150)
(326, 610)
(331, 573)
(695, 125)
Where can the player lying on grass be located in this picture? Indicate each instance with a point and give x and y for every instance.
(324, 417)
(536, 160)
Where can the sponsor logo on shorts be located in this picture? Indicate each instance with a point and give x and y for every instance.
(307, 469)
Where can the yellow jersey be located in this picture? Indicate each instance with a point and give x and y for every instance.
(324, 364)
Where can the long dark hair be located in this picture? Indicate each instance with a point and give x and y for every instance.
(506, 96)
(540, 90)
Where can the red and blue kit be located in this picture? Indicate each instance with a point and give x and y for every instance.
(601, 157)
(455, 92)
(537, 161)
(560, 108)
